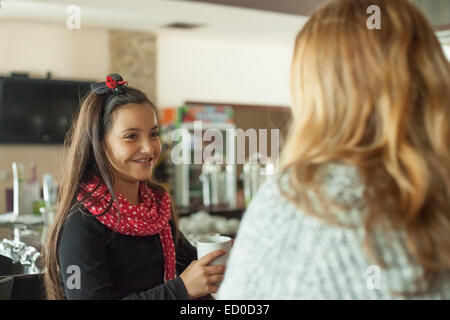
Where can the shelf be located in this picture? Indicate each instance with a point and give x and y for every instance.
(221, 210)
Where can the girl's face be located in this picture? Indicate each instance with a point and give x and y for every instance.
(132, 143)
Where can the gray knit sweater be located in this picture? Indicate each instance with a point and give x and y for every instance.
(282, 253)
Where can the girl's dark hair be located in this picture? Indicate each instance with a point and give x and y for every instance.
(85, 155)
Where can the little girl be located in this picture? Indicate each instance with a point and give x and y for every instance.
(115, 234)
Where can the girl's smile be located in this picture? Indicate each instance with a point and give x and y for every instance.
(145, 162)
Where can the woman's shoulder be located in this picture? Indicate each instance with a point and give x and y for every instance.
(340, 183)
(269, 205)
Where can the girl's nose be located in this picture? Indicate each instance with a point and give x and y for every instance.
(147, 146)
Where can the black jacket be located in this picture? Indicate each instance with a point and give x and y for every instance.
(126, 267)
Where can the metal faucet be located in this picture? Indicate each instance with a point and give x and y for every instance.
(18, 251)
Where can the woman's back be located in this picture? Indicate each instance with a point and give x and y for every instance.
(283, 253)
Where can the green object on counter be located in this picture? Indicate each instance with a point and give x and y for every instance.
(37, 205)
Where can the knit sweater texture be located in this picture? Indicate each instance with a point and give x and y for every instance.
(281, 252)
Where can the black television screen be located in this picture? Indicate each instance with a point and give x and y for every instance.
(38, 110)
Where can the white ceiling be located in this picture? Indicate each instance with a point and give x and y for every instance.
(219, 22)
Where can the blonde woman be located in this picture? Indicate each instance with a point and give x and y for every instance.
(361, 208)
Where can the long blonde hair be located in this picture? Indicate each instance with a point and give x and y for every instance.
(378, 99)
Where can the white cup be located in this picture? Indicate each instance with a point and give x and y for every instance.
(208, 244)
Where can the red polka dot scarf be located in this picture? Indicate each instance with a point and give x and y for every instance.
(150, 216)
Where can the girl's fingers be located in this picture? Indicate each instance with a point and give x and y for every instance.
(211, 270)
(215, 279)
(211, 256)
(213, 288)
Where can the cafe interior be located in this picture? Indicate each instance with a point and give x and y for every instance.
(220, 65)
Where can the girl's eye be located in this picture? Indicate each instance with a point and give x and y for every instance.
(133, 136)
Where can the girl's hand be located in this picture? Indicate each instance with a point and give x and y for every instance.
(201, 279)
